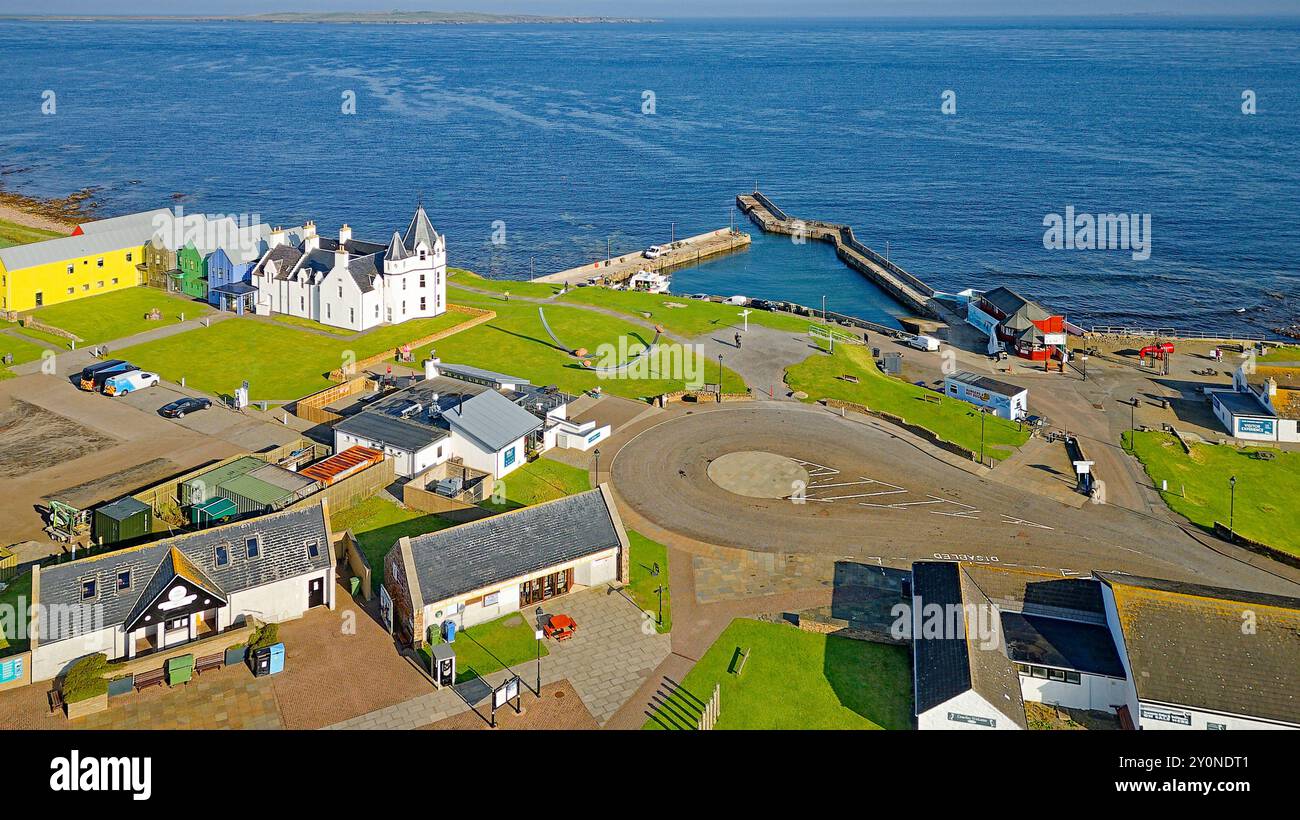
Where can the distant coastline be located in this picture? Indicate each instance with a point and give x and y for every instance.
(408, 18)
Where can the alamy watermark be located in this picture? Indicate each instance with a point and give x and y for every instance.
(1086, 232)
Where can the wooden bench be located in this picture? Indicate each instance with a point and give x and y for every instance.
(214, 661)
(738, 661)
(56, 700)
(146, 679)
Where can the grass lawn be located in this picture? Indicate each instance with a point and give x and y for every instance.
(20, 587)
(953, 420)
(693, 318)
(298, 321)
(120, 313)
(515, 342)
(1289, 353)
(377, 524)
(644, 555)
(23, 350)
(11, 233)
(486, 648)
(1265, 508)
(796, 680)
(542, 480)
(536, 290)
(279, 361)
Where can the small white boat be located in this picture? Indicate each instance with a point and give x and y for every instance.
(646, 281)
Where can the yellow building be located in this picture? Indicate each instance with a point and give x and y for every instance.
(103, 258)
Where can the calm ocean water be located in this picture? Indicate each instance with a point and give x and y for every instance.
(541, 128)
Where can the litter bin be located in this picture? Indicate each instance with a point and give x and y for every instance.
(355, 584)
(180, 670)
(449, 631)
(269, 660)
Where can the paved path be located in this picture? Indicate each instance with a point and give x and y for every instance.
(72, 360)
(605, 662)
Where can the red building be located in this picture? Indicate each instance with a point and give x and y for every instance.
(1024, 327)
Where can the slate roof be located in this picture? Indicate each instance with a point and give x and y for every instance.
(173, 565)
(494, 550)
(1035, 593)
(365, 270)
(945, 667)
(383, 429)
(286, 258)
(1045, 641)
(396, 250)
(420, 229)
(491, 419)
(1011, 303)
(985, 383)
(283, 538)
(1187, 646)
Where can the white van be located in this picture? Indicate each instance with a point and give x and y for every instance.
(927, 343)
(124, 383)
(653, 252)
(740, 301)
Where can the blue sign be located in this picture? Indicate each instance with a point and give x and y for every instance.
(591, 438)
(510, 457)
(1258, 427)
(11, 670)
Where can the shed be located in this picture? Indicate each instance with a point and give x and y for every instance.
(203, 487)
(122, 520)
(266, 488)
(341, 465)
(213, 511)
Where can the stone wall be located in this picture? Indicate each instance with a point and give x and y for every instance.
(916, 429)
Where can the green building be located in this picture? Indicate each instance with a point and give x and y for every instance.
(191, 276)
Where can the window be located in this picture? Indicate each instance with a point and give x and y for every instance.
(352, 316)
(70, 291)
(491, 598)
(1042, 672)
(1216, 726)
(128, 256)
(327, 310)
(222, 555)
(124, 579)
(439, 451)
(87, 589)
(252, 547)
(340, 291)
(313, 549)
(85, 286)
(99, 262)
(422, 280)
(100, 283)
(1056, 674)
(114, 280)
(70, 268)
(403, 283)
(177, 623)
(423, 303)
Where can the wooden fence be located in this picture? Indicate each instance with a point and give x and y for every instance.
(312, 408)
(709, 717)
(478, 317)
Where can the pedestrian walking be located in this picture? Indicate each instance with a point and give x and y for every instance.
(737, 340)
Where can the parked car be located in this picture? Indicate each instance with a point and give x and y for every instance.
(124, 383)
(653, 252)
(739, 301)
(177, 409)
(93, 376)
(760, 304)
(703, 297)
(924, 343)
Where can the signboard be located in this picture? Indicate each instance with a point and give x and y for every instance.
(11, 670)
(1257, 427)
(974, 720)
(1083, 467)
(1054, 339)
(505, 693)
(1181, 718)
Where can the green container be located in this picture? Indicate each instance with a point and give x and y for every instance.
(355, 583)
(123, 520)
(180, 670)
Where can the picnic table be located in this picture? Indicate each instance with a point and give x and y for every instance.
(560, 627)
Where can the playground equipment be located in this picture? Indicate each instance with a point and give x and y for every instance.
(581, 352)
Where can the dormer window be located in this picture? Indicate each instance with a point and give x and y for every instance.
(123, 580)
(222, 556)
(313, 549)
(423, 253)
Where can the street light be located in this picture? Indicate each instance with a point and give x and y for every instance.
(1232, 505)
(597, 454)
(983, 414)
(1132, 423)
(660, 620)
(719, 376)
(537, 633)
(1083, 362)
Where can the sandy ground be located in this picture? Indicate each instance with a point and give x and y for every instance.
(21, 211)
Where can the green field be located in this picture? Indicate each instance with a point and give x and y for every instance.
(795, 680)
(119, 314)
(688, 317)
(953, 420)
(11, 233)
(515, 342)
(19, 588)
(487, 648)
(641, 586)
(1265, 509)
(279, 361)
(298, 321)
(22, 349)
(378, 524)
(542, 480)
(535, 290)
(1290, 353)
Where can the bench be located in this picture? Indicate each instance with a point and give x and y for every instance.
(738, 661)
(56, 700)
(146, 679)
(215, 661)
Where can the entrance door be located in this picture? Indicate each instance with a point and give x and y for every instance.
(315, 592)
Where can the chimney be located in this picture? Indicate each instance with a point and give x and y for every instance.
(310, 243)
(309, 229)
(431, 367)
(340, 256)
(276, 237)
(345, 234)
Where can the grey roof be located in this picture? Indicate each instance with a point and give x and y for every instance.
(492, 419)
(123, 508)
(396, 250)
(946, 666)
(141, 222)
(365, 270)
(494, 550)
(385, 430)
(68, 247)
(283, 539)
(420, 229)
(1036, 593)
(173, 565)
(1187, 646)
(1081, 647)
(285, 257)
(354, 247)
(471, 372)
(985, 383)
(1012, 303)
(1241, 404)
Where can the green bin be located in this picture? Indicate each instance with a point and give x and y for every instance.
(355, 583)
(180, 670)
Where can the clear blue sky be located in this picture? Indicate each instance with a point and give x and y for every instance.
(672, 8)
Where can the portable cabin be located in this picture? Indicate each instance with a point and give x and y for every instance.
(266, 489)
(123, 520)
(213, 511)
(203, 487)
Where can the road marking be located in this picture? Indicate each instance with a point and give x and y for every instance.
(1011, 519)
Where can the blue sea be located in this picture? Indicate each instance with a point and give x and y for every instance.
(542, 130)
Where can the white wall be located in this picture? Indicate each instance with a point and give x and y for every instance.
(1091, 692)
(477, 457)
(967, 703)
(280, 600)
(49, 660)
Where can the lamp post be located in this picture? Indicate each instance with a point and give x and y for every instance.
(597, 455)
(659, 621)
(824, 309)
(537, 633)
(983, 414)
(1232, 505)
(672, 232)
(1083, 363)
(719, 375)
(1132, 423)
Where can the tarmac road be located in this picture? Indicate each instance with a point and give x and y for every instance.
(875, 495)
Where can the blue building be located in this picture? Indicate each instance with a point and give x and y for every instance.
(230, 268)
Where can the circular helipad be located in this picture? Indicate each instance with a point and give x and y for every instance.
(757, 474)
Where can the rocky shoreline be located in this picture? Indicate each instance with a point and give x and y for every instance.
(60, 214)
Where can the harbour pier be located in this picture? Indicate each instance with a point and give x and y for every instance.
(906, 289)
(687, 251)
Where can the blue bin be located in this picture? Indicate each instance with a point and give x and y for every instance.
(277, 658)
(449, 631)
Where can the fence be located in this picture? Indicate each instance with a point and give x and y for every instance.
(312, 408)
(1175, 333)
(709, 717)
(480, 315)
(354, 489)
